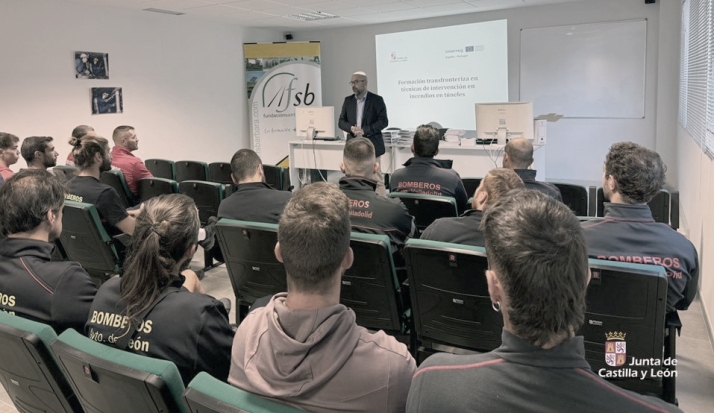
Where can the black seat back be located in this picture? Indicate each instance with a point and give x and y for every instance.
(191, 171)
(85, 241)
(274, 176)
(220, 172)
(206, 195)
(370, 286)
(161, 168)
(471, 184)
(248, 251)
(115, 179)
(151, 187)
(427, 208)
(449, 294)
(30, 375)
(575, 197)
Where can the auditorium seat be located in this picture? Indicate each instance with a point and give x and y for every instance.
(108, 380)
(427, 208)
(115, 179)
(86, 241)
(151, 187)
(208, 197)
(630, 300)
(575, 197)
(206, 394)
(29, 373)
(275, 176)
(371, 288)
(471, 184)
(161, 168)
(220, 172)
(449, 296)
(191, 171)
(248, 251)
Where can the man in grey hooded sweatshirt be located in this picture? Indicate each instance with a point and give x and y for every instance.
(304, 347)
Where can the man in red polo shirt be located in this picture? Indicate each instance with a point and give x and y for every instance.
(126, 142)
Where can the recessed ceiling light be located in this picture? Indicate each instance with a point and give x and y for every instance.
(311, 15)
(175, 13)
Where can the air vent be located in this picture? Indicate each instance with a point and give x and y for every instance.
(311, 15)
(175, 13)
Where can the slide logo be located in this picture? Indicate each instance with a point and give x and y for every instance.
(394, 58)
(278, 91)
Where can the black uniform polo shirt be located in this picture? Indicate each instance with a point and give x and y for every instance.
(461, 230)
(426, 176)
(256, 202)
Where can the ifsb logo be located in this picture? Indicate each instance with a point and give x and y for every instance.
(281, 90)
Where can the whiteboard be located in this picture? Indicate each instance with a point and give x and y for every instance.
(586, 70)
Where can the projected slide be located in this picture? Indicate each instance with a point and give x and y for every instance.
(437, 75)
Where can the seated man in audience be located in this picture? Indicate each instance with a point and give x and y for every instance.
(304, 347)
(423, 174)
(9, 154)
(39, 153)
(78, 132)
(371, 213)
(253, 200)
(537, 278)
(58, 293)
(466, 228)
(518, 155)
(92, 157)
(126, 142)
(633, 176)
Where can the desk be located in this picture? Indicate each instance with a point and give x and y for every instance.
(469, 161)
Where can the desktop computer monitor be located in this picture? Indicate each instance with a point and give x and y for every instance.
(504, 121)
(313, 122)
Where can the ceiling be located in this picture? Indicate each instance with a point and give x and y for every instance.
(271, 14)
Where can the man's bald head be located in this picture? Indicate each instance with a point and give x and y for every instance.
(518, 154)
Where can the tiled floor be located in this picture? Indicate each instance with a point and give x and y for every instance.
(695, 353)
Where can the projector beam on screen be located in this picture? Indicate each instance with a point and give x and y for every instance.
(436, 75)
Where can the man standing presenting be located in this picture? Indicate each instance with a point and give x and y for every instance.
(364, 115)
(126, 142)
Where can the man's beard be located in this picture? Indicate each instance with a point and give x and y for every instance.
(106, 165)
(50, 163)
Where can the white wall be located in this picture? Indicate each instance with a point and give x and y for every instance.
(183, 80)
(576, 147)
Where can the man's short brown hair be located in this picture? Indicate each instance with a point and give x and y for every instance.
(537, 248)
(8, 140)
(314, 236)
(638, 171)
(359, 157)
(498, 182)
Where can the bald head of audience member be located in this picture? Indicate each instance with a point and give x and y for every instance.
(518, 154)
(125, 137)
(358, 158)
(426, 142)
(246, 167)
(31, 204)
(632, 174)
(538, 267)
(494, 186)
(314, 245)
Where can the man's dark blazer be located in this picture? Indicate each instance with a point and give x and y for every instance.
(374, 119)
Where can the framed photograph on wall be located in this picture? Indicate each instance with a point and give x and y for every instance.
(107, 100)
(91, 65)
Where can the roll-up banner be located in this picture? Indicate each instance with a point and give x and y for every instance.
(280, 77)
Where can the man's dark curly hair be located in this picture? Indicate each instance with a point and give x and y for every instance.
(638, 171)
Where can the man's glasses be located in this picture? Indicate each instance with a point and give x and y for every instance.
(354, 82)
